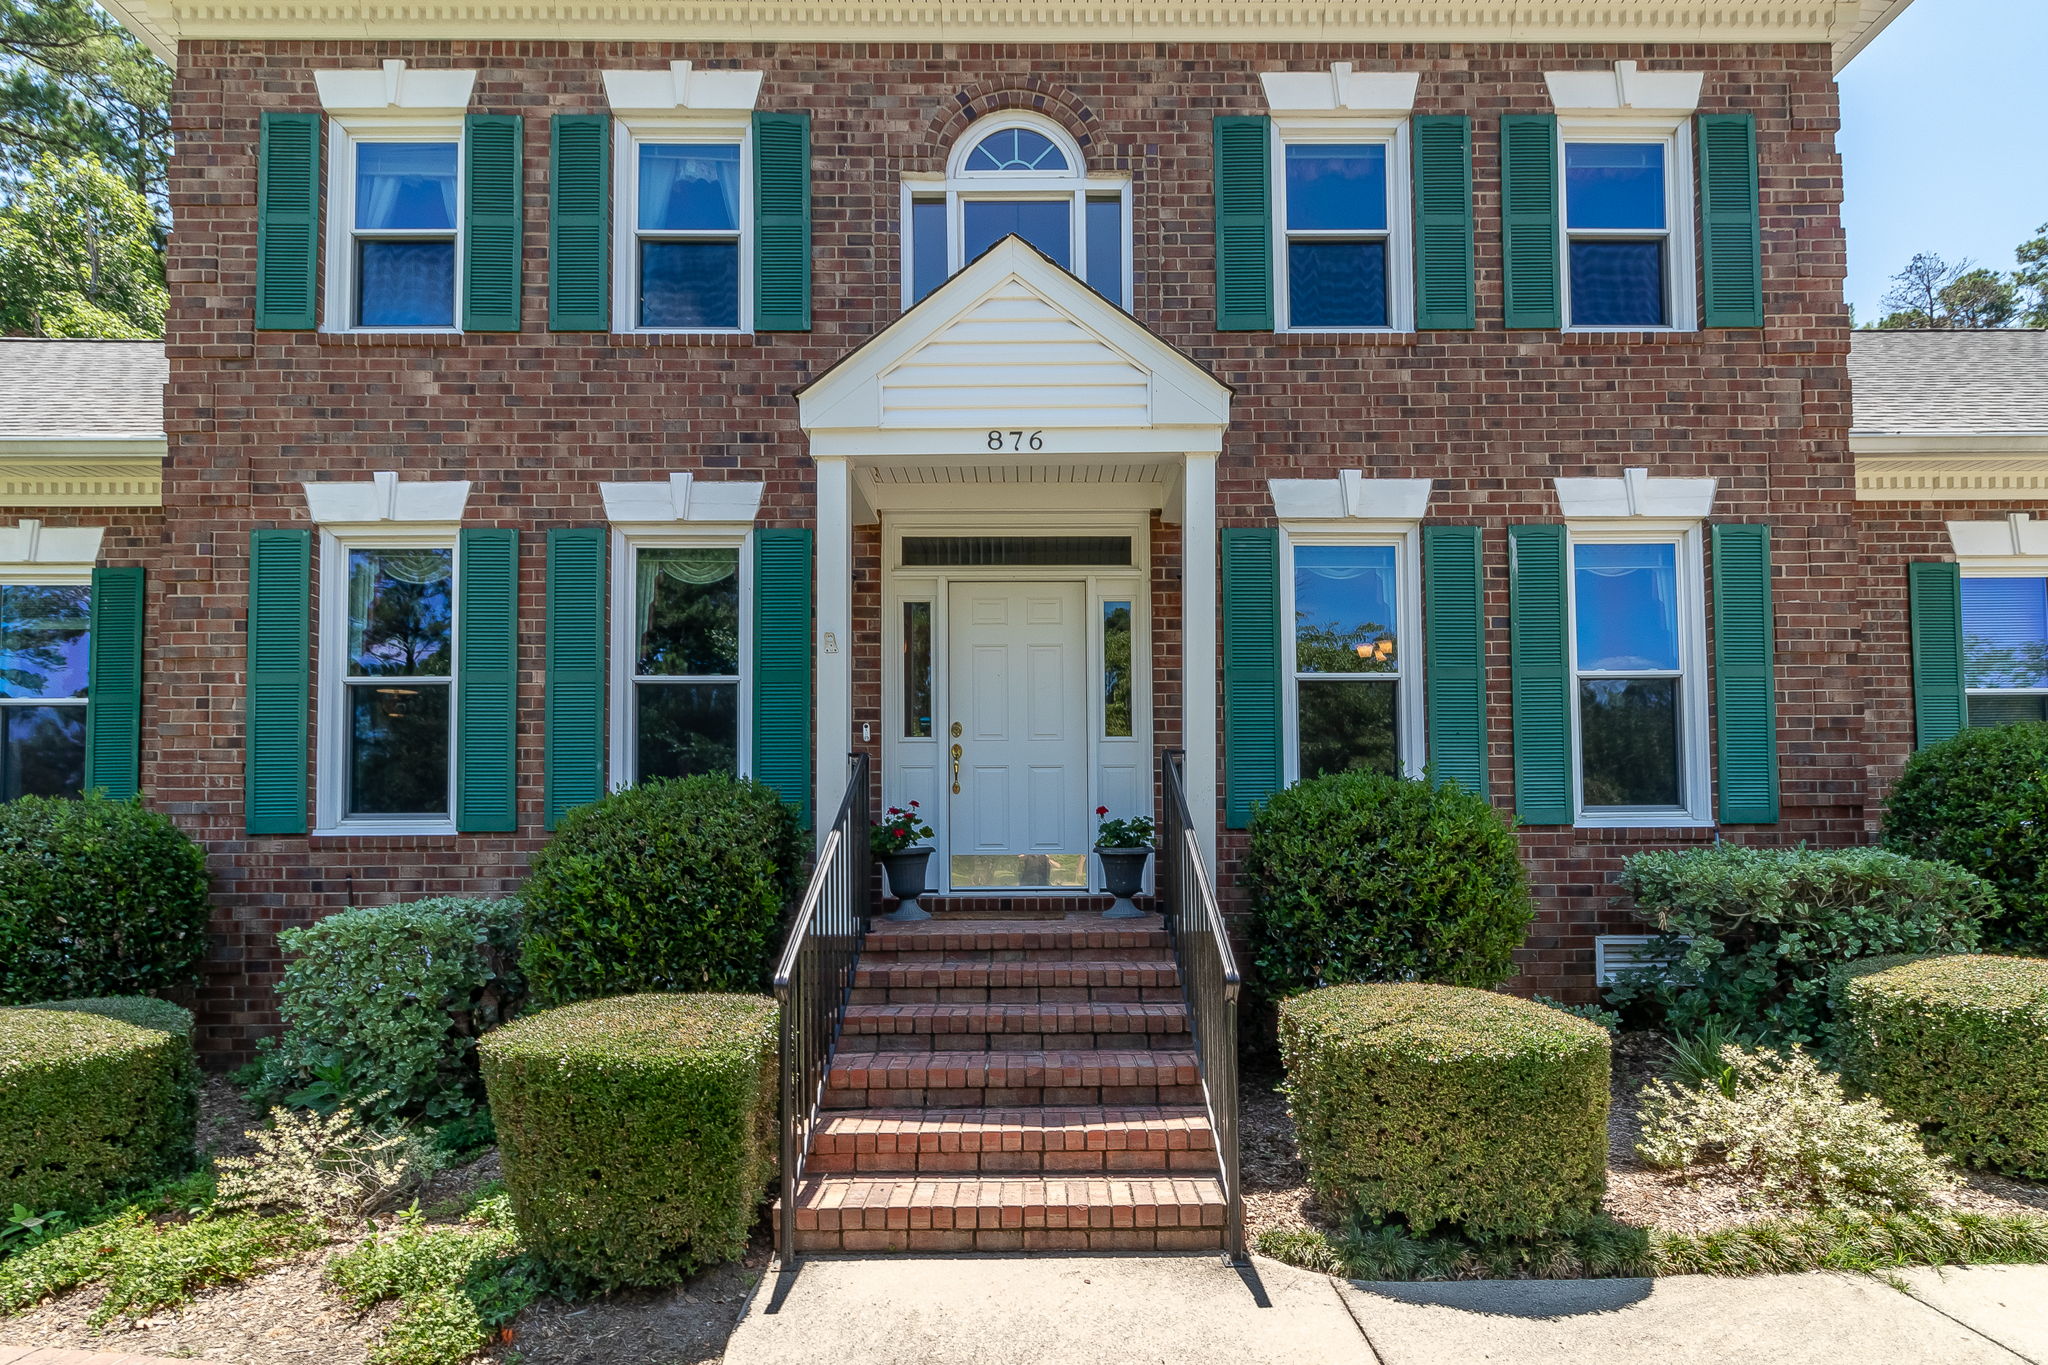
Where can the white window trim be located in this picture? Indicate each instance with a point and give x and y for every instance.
(2015, 567)
(627, 542)
(630, 134)
(339, 306)
(1409, 712)
(331, 753)
(1681, 272)
(1695, 771)
(958, 185)
(1392, 132)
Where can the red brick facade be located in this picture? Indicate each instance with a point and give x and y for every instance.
(538, 420)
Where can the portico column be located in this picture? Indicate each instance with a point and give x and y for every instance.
(1198, 645)
(833, 646)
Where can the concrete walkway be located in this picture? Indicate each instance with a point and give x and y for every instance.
(1193, 1310)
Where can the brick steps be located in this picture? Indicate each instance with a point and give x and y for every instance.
(1026, 1076)
(944, 981)
(1078, 1140)
(926, 1213)
(1016, 940)
(986, 1027)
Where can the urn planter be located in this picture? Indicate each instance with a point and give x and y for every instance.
(1123, 876)
(906, 873)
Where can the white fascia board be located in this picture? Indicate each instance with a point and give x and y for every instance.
(383, 501)
(1951, 442)
(1635, 494)
(394, 89)
(681, 498)
(1340, 90)
(1626, 89)
(681, 89)
(1351, 496)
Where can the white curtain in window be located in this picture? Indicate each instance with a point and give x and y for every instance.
(388, 172)
(710, 564)
(672, 178)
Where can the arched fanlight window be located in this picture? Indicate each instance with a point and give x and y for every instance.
(1018, 174)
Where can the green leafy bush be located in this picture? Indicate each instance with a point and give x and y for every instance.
(455, 1284)
(1980, 801)
(97, 898)
(147, 1265)
(383, 1005)
(1360, 877)
(638, 1133)
(668, 886)
(1441, 1105)
(90, 1106)
(1753, 934)
(1958, 1045)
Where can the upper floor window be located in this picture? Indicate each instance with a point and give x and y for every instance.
(2005, 648)
(1018, 174)
(682, 226)
(1354, 702)
(395, 246)
(45, 652)
(1342, 257)
(1627, 248)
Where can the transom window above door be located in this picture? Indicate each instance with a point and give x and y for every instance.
(1021, 175)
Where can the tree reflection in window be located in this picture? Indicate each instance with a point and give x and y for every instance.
(1116, 670)
(686, 684)
(401, 664)
(45, 651)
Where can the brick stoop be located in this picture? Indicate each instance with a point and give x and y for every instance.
(1013, 1084)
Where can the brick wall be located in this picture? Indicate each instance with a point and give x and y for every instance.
(537, 421)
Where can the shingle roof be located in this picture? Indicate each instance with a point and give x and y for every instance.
(1950, 383)
(81, 388)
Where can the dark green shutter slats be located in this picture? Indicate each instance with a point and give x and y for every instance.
(579, 223)
(280, 657)
(1745, 681)
(1934, 595)
(487, 680)
(113, 708)
(491, 225)
(1731, 231)
(1528, 226)
(1244, 223)
(782, 222)
(1454, 654)
(782, 665)
(1443, 223)
(1252, 671)
(573, 772)
(1539, 667)
(287, 221)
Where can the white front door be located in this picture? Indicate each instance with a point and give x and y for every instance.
(1018, 741)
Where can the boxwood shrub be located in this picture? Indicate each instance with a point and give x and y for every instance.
(97, 898)
(1443, 1105)
(96, 1096)
(1360, 877)
(668, 886)
(1957, 1044)
(1753, 935)
(1980, 801)
(383, 1005)
(638, 1133)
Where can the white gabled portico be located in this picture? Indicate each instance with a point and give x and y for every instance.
(1016, 401)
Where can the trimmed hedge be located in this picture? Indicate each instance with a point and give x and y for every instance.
(96, 1096)
(638, 1133)
(97, 898)
(1361, 877)
(1754, 934)
(1980, 801)
(1958, 1045)
(383, 1005)
(668, 886)
(1442, 1105)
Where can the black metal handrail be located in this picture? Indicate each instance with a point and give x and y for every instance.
(815, 976)
(1209, 977)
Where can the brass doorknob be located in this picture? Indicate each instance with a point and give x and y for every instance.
(956, 767)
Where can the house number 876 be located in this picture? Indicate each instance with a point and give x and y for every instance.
(1016, 440)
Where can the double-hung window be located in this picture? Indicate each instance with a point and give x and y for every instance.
(2005, 648)
(44, 660)
(1627, 240)
(1337, 221)
(682, 227)
(1353, 695)
(680, 630)
(1639, 708)
(394, 256)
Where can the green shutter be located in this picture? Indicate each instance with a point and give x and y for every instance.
(1528, 221)
(287, 221)
(1252, 674)
(1454, 654)
(782, 222)
(782, 665)
(280, 658)
(579, 223)
(1443, 223)
(1244, 223)
(1731, 231)
(492, 221)
(487, 680)
(1745, 683)
(1935, 597)
(574, 770)
(113, 708)
(1540, 672)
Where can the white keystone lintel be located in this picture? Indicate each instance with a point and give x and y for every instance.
(1340, 90)
(681, 89)
(383, 499)
(681, 497)
(1625, 90)
(1635, 494)
(1351, 496)
(2010, 537)
(394, 89)
(48, 553)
